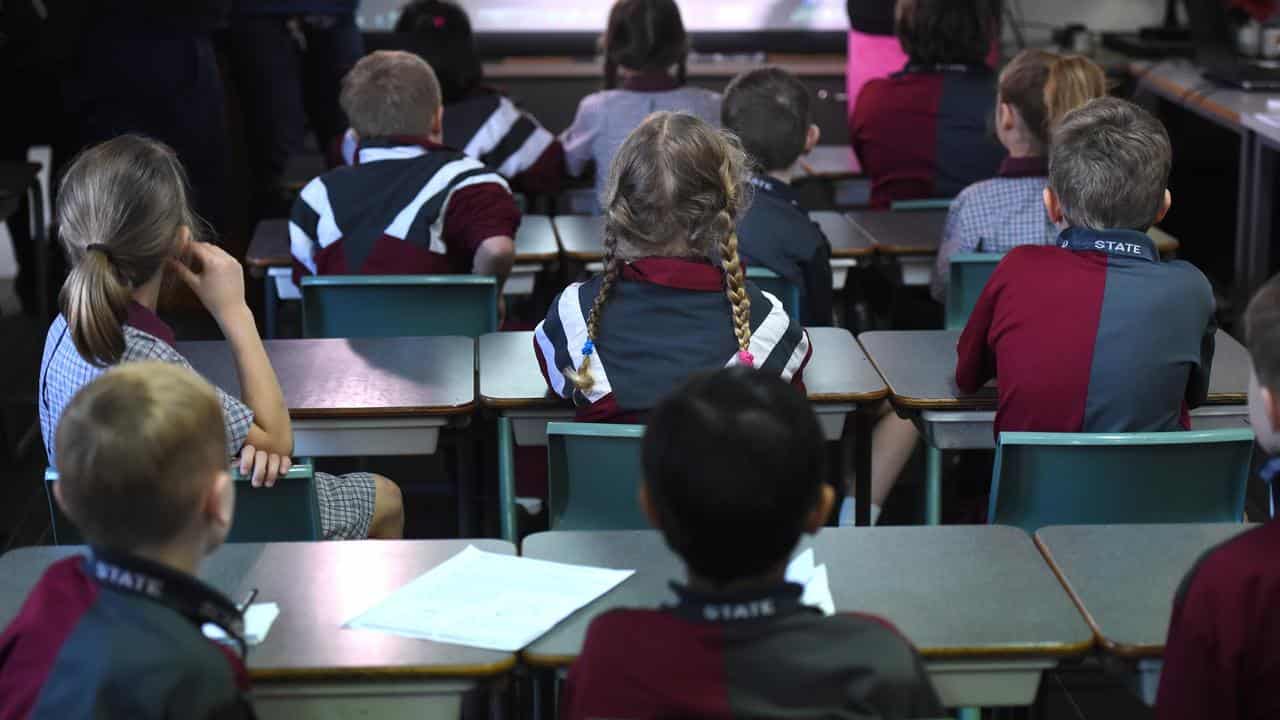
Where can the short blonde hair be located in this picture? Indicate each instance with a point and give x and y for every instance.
(137, 449)
(391, 93)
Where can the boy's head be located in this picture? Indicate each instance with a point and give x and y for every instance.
(771, 112)
(945, 32)
(142, 460)
(1262, 331)
(733, 473)
(1109, 168)
(390, 93)
(440, 32)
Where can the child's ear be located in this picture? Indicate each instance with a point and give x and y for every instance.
(437, 123)
(1164, 206)
(646, 506)
(821, 511)
(1269, 405)
(1006, 118)
(812, 138)
(1052, 206)
(57, 496)
(218, 507)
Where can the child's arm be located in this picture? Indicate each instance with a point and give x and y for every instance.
(551, 348)
(579, 139)
(1198, 674)
(955, 239)
(1198, 380)
(817, 286)
(975, 362)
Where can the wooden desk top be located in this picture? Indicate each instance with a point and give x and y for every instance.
(828, 162)
(919, 367)
(955, 592)
(838, 371)
(1123, 578)
(535, 242)
(592, 69)
(916, 232)
(357, 378)
(846, 240)
(1182, 82)
(319, 586)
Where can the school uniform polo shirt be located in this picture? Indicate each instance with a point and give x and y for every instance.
(1093, 335)
(117, 636)
(665, 319)
(1222, 656)
(407, 207)
(926, 132)
(759, 654)
(776, 233)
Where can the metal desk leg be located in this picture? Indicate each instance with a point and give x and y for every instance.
(1258, 224)
(466, 450)
(969, 714)
(270, 305)
(862, 423)
(933, 486)
(506, 480)
(1248, 242)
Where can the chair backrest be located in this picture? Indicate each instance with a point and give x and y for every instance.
(1096, 479)
(286, 512)
(774, 284)
(347, 306)
(594, 475)
(969, 274)
(927, 204)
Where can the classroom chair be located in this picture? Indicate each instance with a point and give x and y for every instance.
(1096, 479)
(289, 511)
(917, 205)
(349, 306)
(969, 275)
(594, 475)
(774, 284)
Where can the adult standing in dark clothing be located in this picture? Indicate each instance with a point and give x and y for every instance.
(289, 58)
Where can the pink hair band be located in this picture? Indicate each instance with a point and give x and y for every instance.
(746, 358)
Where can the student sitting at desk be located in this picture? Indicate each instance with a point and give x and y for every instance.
(644, 43)
(124, 220)
(479, 120)
(673, 298)
(924, 132)
(118, 634)
(733, 479)
(1224, 635)
(1037, 88)
(1096, 334)
(409, 205)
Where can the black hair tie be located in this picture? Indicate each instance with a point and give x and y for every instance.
(111, 258)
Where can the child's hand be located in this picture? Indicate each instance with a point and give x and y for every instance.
(266, 467)
(214, 276)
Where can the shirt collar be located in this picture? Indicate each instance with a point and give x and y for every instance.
(141, 317)
(776, 188)
(676, 272)
(1024, 167)
(1117, 243)
(393, 147)
(744, 606)
(649, 81)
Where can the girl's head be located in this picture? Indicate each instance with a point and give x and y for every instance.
(1037, 88)
(122, 212)
(677, 188)
(442, 36)
(946, 32)
(644, 36)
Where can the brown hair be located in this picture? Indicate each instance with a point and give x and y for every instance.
(390, 93)
(946, 32)
(644, 35)
(121, 209)
(677, 185)
(136, 451)
(1043, 87)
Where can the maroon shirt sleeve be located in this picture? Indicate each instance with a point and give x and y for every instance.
(477, 213)
(545, 175)
(1200, 670)
(975, 361)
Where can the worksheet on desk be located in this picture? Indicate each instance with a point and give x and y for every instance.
(490, 601)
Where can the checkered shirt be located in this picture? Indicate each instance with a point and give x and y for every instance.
(993, 216)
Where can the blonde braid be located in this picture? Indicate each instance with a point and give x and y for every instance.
(581, 378)
(736, 289)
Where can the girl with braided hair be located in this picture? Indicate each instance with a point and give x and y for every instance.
(673, 298)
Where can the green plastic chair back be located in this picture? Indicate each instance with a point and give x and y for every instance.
(348, 306)
(286, 512)
(774, 284)
(969, 275)
(915, 205)
(1097, 479)
(594, 475)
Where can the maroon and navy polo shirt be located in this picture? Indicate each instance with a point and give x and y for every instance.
(665, 319)
(1093, 335)
(926, 132)
(1222, 656)
(754, 654)
(407, 207)
(117, 636)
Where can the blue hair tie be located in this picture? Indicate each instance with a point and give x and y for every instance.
(587, 348)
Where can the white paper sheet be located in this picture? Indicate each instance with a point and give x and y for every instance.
(496, 602)
(803, 570)
(257, 623)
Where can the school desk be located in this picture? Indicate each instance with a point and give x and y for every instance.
(919, 367)
(309, 665)
(911, 238)
(581, 239)
(1123, 579)
(1261, 201)
(978, 601)
(840, 380)
(269, 258)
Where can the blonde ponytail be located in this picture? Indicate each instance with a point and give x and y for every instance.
(1072, 81)
(95, 302)
(581, 378)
